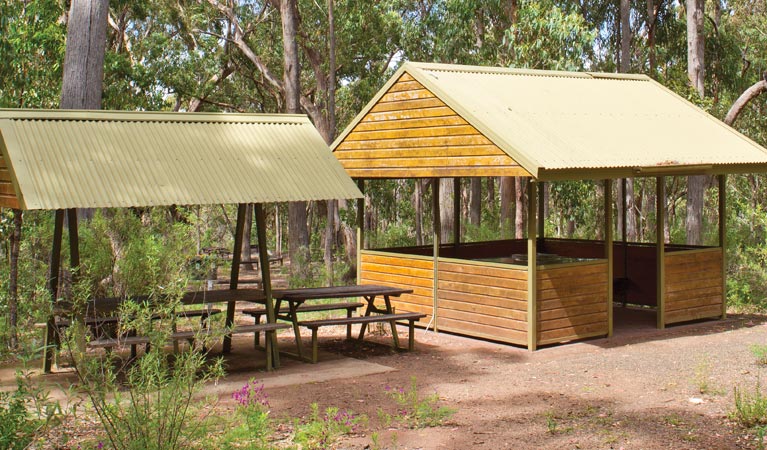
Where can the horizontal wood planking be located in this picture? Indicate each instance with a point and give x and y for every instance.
(572, 302)
(411, 133)
(483, 301)
(571, 333)
(483, 331)
(8, 197)
(411, 272)
(694, 286)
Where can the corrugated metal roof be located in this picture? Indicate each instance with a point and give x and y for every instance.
(581, 125)
(79, 159)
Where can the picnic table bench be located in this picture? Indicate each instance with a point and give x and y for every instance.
(256, 313)
(296, 298)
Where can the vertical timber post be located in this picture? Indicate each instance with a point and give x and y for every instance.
(437, 239)
(609, 252)
(541, 219)
(624, 233)
(532, 269)
(660, 219)
(235, 275)
(360, 228)
(266, 281)
(723, 238)
(53, 288)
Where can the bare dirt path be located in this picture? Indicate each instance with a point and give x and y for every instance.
(638, 390)
(641, 389)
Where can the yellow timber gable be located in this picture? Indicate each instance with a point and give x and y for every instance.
(410, 133)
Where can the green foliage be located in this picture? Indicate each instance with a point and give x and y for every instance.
(416, 411)
(25, 413)
(32, 50)
(750, 407)
(760, 353)
(251, 427)
(322, 431)
(548, 37)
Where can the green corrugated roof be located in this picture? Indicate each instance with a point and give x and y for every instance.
(92, 159)
(571, 125)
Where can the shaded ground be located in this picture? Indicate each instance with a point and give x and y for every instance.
(639, 389)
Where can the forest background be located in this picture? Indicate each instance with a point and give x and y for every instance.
(227, 55)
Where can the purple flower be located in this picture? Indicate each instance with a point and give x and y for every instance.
(100, 445)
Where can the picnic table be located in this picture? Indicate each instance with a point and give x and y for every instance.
(104, 311)
(295, 298)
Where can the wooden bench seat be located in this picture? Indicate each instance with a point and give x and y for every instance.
(411, 317)
(107, 342)
(350, 307)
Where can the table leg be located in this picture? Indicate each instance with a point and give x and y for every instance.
(393, 323)
(368, 310)
(296, 330)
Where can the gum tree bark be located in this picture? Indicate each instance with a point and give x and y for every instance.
(696, 185)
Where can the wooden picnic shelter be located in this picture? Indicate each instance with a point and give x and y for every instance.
(450, 121)
(63, 160)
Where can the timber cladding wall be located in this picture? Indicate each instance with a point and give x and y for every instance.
(483, 300)
(412, 133)
(572, 302)
(7, 192)
(405, 271)
(694, 285)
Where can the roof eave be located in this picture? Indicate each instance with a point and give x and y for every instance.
(416, 71)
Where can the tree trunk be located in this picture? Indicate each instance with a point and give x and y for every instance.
(81, 86)
(631, 212)
(475, 201)
(13, 282)
(507, 196)
(519, 207)
(695, 73)
(652, 20)
(748, 95)
(245, 247)
(418, 202)
(446, 210)
(298, 232)
(491, 194)
(331, 226)
(625, 56)
(695, 45)
(83, 75)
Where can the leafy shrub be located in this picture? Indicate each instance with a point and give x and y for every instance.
(321, 431)
(750, 407)
(252, 421)
(25, 413)
(416, 411)
(760, 353)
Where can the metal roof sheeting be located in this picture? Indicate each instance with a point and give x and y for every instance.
(93, 159)
(578, 125)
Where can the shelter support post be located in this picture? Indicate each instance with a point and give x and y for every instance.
(266, 281)
(436, 240)
(53, 288)
(660, 219)
(456, 212)
(624, 232)
(235, 275)
(541, 204)
(360, 228)
(723, 238)
(74, 243)
(609, 252)
(532, 265)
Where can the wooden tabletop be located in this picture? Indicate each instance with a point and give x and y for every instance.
(338, 292)
(224, 295)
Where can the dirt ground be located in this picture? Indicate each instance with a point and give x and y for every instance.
(641, 389)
